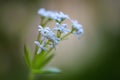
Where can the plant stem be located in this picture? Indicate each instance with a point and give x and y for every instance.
(66, 35)
(31, 76)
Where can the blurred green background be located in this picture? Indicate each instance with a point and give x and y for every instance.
(96, 56)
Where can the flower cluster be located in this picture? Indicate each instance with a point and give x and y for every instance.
(58, 16)
(49, 38)
(78, 30)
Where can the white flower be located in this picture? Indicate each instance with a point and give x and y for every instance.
(43, 31)
(61, 16)
(40, 28)
(62, 28)
(47, 14)
(47, 33)
(52, 37)
(78, 29)
(42, 12)
(41, 46)
(58, 16)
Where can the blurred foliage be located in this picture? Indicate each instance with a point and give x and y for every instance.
(11, 62)
(19, 1)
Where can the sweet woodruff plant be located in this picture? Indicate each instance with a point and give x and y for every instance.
(47, 40)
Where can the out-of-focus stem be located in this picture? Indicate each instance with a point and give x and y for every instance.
(66, 35)
(31, 76)
(45, 23)
(58, 34)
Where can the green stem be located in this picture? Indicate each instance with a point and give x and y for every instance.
(31, 76)
(45, 23)
(42, 19)
(49, 51)
(36, 47)
(66, 35)
(58, 34)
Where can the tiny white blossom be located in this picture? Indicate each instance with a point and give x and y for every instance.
(43, 31)
(50, 15)
(47, 33)
(42, 12)
(62, 28)
(41, 46)
(40, 28)
(58, 16)
(52, 37)
(78, 28)
(47, 14)
(61, 16)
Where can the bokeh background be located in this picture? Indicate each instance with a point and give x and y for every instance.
(96, 56)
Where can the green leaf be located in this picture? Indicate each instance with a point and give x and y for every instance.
(27, 56)
(37, 71)
(51, 70)
(47, 59)
(46, 71)
(40, 58)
